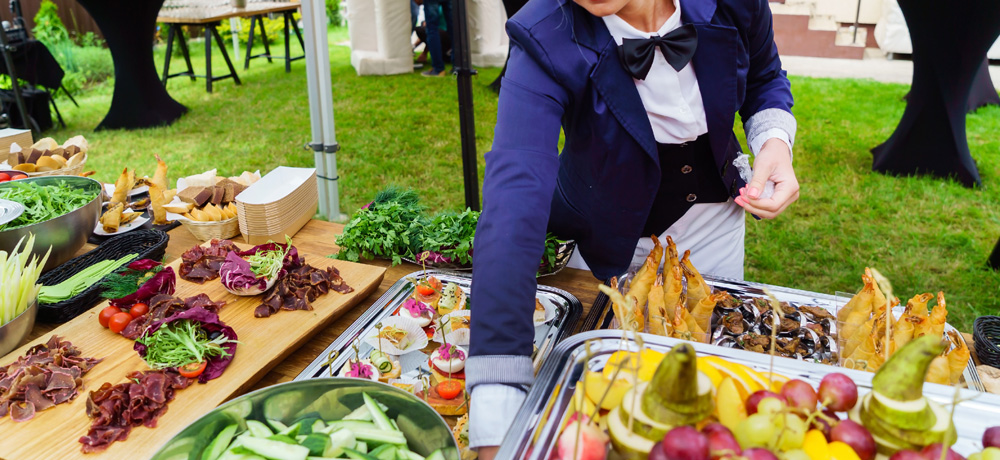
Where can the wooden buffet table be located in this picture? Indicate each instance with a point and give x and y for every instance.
(316, 238)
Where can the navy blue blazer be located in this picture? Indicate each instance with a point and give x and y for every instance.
(565, 72)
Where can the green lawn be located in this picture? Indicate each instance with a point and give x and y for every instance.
(924, 234)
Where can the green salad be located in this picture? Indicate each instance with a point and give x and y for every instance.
(43, 202)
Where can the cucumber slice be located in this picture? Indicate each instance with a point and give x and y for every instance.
(275, 450)
(220, 443)
(436, 455)
(406, 454)
(283, 438)
(352, 425)
(357, 455)
(277, 425)
(316, 443)
(338, 441)
(380, 436)
(378, 416)
(258, 429)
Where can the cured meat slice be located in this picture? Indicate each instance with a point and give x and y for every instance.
(299, 288)
(115, 409)
(47, 375)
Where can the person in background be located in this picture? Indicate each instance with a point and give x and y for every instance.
(646, 93)
(436, 11)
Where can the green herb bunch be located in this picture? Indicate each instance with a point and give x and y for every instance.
(391, 228)
(126, 281)
(452, 235)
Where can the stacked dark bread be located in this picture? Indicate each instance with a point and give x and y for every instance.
(223, 192)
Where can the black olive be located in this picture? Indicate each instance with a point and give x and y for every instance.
(214, 335)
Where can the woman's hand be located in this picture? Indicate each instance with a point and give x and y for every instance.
(772, 163)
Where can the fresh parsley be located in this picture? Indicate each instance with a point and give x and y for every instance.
(451, 234)
(390, 230)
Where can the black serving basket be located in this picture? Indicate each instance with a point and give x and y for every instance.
(986, 333)
(148, 244)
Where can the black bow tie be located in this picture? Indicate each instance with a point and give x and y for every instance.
(677, 47)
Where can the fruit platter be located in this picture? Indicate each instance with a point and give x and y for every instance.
(605, 395)
(843, 330)
(416, 337)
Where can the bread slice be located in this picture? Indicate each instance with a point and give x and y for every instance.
(217, 194)
(195, 195)
(33, 156)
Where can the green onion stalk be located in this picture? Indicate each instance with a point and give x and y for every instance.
(19, 272)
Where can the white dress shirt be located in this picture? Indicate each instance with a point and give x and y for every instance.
(712, 231)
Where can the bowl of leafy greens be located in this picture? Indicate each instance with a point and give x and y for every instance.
(61, 211)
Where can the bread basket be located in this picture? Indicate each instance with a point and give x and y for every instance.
(67, 171)
(204, 231)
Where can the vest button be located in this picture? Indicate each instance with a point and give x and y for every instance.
(692, 197)
(686, 169)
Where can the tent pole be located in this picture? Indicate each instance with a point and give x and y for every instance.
(462, 67)
(324, 144)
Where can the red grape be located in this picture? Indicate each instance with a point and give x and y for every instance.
(799, 394)
(933, 452)
(722, 443)
(907, 455)
(713, 427)
(758, 453)
(991, 437)
(757, 396)
(657, 452)
(838, 392)
(685, 443)
(853, 434)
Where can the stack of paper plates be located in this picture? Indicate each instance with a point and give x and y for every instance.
(279, 204)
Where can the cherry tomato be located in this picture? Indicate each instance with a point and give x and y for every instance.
(138, 310)
(449, 389)
(119, 321)
(106, 315)
(192, 370)
(424, 289)
(4, 177)
(18, 176)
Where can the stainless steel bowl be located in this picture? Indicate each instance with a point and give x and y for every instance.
(12, 333)
(66, 234)
(328, 399)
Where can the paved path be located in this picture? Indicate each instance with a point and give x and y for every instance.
(896, 71)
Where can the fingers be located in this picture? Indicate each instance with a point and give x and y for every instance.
(768, 208)
(759, 180)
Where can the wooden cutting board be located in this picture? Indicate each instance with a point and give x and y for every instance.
(264, 342)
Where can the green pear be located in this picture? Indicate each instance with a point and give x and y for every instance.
(678, 394)
(902, 377)
(627, 444)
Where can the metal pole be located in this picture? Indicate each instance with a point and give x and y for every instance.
(324, 144)
(463, 69)
(857, 15)
(6, 49)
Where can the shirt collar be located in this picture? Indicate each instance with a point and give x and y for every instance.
(620, 29)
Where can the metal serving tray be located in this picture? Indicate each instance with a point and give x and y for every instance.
(534, 432)
(568, 311)
(600, 316)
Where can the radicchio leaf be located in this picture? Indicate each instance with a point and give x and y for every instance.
(292, 259)
(161, 283)
(210, 322)
(238, 277)
(433, 257)
(144, 265)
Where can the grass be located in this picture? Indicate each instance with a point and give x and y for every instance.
(925, 234)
